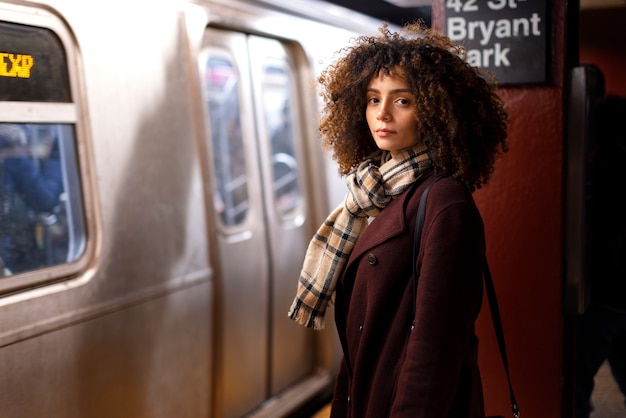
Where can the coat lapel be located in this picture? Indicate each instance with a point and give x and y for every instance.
(386, 227)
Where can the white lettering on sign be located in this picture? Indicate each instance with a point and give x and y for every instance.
(470, 5)
(484, 57)
(460, 29)
(488, 32)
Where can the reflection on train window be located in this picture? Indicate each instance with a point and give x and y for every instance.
(41, 213)
(278, 110)
(222, 92)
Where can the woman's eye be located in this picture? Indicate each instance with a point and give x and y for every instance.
(403, 101)
(372, 100)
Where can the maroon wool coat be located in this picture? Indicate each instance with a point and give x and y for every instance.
(432, 371)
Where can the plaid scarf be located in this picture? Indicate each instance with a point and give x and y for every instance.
(370, 189)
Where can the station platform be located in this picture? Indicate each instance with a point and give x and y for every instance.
(607, 399)
(322, 413)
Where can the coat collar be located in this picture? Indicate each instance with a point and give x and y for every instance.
(393, 223)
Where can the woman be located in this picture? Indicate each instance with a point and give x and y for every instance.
(401, 109)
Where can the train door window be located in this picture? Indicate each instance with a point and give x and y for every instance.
(222, 95)
(42, 222)
(277, 88)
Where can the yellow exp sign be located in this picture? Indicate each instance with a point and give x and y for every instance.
(20, 65)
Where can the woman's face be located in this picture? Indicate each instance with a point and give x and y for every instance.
(391, 112)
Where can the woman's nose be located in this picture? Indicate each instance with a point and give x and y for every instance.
(383, 114)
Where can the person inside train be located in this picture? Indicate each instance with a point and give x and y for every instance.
(24, 192)
(401, 109)
(601, 330)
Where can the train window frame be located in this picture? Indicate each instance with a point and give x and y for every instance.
(296, 211)
(218, 42)
(241, 226)
(67, 117)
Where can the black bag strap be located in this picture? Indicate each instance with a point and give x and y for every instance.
(489, 287)
(419, 225)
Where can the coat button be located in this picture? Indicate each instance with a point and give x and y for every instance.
(360, 328)
(372, 259)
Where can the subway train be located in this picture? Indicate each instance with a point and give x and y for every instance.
(151, 250)
(162, 176)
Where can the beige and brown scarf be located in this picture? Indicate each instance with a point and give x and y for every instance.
(370, 189)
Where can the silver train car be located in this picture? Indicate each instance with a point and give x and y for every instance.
(161, 179)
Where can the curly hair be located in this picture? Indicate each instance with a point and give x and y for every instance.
(460, 118)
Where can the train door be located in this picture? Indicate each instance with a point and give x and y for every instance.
(257, 186)
(277, 119)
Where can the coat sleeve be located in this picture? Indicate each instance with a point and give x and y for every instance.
(449, 297)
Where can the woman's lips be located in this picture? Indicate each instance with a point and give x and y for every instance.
(384, 132)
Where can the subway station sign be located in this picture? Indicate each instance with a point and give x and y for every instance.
(505, 37)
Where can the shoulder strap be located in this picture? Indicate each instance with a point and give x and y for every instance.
(419, 225)
(497, 324)
(491, 293)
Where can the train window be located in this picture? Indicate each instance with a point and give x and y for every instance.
(222, 95)
(42, 219)
(32, 65)
(278, 110)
